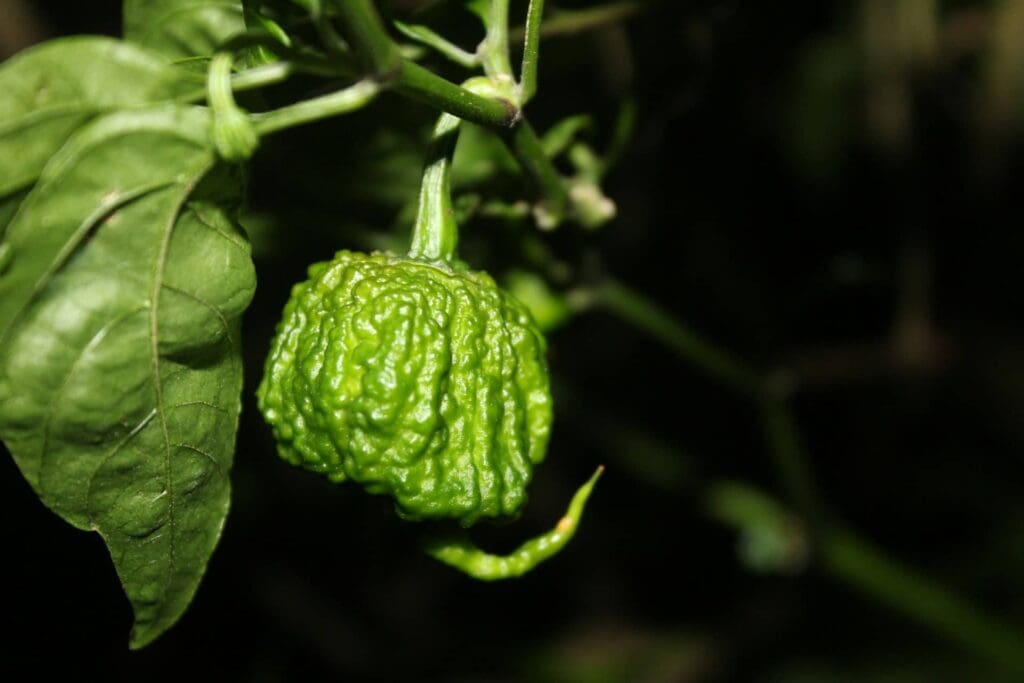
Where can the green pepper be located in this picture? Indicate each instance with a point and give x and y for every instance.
(412, 379)
(418, 378)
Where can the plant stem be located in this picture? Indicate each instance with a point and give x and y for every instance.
(866, 568)
(326, 106)
(266, 74)
(231, 129)
(419, 84)
(218, 90)
(257, 77)
(333, 43)
(786, 449)
(651, 318)
(435, 234)
(383, 61)
(529, 152)
(368, 37)
(370, 41)
(531, 52)
(781, 432)
(494, 51)
(842, 555)
(427, 36)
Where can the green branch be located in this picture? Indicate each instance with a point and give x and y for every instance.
(529, 152)
(841, 554)
(415, 82)
(427, 36)
(382, 60)
(867, 569)
(250, 79)
(786, 449)
(654, 320)
(307, 111)
(372, 45)
(531, 52)
(232, 132)
(257, 77)
(494, 50)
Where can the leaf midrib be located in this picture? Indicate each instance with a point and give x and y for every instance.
(154, 339)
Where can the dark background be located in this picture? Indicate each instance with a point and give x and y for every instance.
(847, 220)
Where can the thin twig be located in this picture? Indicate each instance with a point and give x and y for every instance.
(531, 52)
(333, 104)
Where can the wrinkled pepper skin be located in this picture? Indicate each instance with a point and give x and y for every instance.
(413, 379)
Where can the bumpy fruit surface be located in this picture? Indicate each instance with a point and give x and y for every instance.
(413, 379)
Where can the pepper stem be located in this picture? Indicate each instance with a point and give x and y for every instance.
(464, 556)
(232, 131)
(435, 234)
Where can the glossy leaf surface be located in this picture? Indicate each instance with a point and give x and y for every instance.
(120, 369)
(50, 90)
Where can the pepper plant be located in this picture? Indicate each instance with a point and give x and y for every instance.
(124, 274)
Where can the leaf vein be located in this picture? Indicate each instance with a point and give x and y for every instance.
(90, 222)
(234, 242)
(114, 451)
(200, 300)
(189, 404)
(154, 334)
(208, 456)
(51, 410)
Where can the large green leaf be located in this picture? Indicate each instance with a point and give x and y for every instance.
(51, 89)
(182, 29)
(120, 369)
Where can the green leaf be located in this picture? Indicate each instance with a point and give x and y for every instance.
(182, 29)
(120, 368)
(52, 89)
